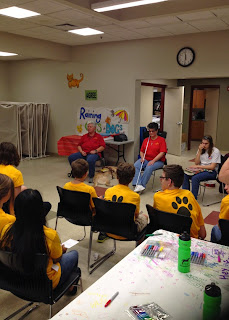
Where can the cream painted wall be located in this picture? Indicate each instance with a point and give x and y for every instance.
(4, 81)
(113, 69)
(146, 108)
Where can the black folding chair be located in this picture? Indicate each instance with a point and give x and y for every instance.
(224, 227)
(167, 221)
(204, 184)
(116, 218)
(33, 286)
(74, 206)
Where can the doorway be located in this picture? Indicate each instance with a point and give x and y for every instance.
(203, 115)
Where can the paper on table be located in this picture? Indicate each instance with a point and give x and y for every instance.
(70, 243)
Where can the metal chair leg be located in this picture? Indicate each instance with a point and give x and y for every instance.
(211, 203)
(50, 311)
(92, 267)
(83, 235)
(18, 311)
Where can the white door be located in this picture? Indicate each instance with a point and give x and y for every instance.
(173, 118)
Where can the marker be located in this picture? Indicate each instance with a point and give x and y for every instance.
(154, 234)
(192, 256)
(111, 299)
(219, 260)
(204, 255)
(145, 249)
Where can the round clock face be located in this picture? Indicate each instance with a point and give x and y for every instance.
(185, 57)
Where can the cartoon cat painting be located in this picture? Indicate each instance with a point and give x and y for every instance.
(74, 82)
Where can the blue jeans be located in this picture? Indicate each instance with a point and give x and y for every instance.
(90, 158)
(144, 178)
(216, 234)
(68, 262)
(196, 179)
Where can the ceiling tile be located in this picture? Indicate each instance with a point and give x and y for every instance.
(196, 15)
(159, 21)
(153, 31)
(44, 20)
(180, 28)
(135, 24)
(10, 3)
(68, 15)
(209, 25)
(44, 6)
(221, 12)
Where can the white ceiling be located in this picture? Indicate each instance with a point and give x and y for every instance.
(169, 18)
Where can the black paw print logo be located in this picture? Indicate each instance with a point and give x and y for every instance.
(114, 198)
(183, 206)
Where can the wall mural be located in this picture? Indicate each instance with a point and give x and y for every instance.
(74, 82)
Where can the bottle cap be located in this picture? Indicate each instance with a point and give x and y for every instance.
(213, 290)
(184, 236)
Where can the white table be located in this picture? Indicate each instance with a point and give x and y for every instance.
(141, 280)
(121, 153)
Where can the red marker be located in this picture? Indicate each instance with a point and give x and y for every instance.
(111, 299)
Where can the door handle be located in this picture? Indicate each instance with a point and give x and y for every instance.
(179, 123)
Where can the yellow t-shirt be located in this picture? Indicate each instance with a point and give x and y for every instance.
(122, 193)
(5, 219)
(224, 208)
(82, 187)
(182, 202)
(13, 173)
(55, 252)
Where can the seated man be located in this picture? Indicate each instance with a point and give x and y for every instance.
(80, 172)
(90, 147)
(175, 200)
(224, 214)
(122, 193)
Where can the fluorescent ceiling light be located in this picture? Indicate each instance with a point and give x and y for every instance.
(85, 31)
(120, 4)
(19, 13)
(7, 54)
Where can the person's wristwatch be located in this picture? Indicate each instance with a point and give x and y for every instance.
(96, 151)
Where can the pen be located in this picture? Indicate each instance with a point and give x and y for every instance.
(154, 234)
(111, 299)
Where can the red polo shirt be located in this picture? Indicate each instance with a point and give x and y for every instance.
(154, 148)
(89, 143)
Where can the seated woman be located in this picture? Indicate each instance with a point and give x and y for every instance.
(28, 235)
(207, 160)
(6, 194)
(9, 161)
(152, 154)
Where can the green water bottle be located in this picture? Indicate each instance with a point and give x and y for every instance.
(212, 301)
(184, 252)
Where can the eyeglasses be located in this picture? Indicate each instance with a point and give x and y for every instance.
(163, 177)
(152, 131)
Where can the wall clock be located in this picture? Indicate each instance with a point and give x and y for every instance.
(185, 57)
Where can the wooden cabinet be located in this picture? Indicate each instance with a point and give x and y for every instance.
(197, 131)
(199, 97)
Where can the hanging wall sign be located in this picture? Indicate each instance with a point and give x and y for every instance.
(90, 94)
(108, 121)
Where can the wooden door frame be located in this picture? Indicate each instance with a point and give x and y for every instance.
(162, 86)
(194, 87)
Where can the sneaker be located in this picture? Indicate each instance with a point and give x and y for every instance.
(102, 237)
(139, 188)
(90, 180)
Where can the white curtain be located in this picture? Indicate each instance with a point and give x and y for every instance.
(25, 124)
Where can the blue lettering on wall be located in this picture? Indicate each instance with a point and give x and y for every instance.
(111, 129)
(95, 116)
